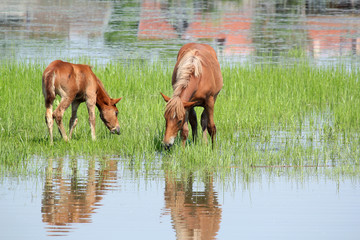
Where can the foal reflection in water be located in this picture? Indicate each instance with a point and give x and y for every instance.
(74, 199)
(196, 81)
(76, 83)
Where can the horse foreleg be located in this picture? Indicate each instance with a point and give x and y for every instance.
(193, 123)
(73, 120)
(184, 133)
(211, 124)
(59, 113)
(91, 109)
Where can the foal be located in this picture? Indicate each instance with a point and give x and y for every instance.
(76, 83)
(196, 81)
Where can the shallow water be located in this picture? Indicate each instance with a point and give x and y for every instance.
(241, 31)
(96, 198)
(109, 199)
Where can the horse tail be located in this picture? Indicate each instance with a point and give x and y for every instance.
(48, 87)
(190, 64)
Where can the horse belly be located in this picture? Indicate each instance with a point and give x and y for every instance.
(81, 97)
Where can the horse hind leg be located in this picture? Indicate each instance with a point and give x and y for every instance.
(59, 113)
(73, 120)
(49, 95)
(49, 120)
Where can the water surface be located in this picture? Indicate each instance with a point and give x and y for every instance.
(241, 31)
(97, 199)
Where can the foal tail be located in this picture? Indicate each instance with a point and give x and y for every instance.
(48, 87)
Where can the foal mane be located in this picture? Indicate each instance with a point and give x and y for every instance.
(189, 64)
(101, 93)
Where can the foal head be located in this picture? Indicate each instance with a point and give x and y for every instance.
(109, 113)
(175, 116)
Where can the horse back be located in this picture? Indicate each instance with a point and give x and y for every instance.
(68, 79)
(210, 82)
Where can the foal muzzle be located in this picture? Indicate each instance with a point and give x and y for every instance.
(116, 130)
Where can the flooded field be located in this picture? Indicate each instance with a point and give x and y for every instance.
(287, 161)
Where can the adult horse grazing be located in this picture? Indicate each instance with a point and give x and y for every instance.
(76, 83)
(196, 81)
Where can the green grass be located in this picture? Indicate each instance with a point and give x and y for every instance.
(266, 115)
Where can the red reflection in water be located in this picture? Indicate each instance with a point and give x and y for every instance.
(334, 35)
(232, 31)
(153, 23)
(329, 35)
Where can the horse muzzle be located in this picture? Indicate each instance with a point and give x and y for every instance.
(168, 144)
(116, 130)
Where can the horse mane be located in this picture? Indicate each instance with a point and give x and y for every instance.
(174, 108)
(189, 64)
(101, 90)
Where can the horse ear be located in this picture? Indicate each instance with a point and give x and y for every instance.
(166, 98)
(188, 104)
(115, 101)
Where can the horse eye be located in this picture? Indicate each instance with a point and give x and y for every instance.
(116, 113)
(179, 122)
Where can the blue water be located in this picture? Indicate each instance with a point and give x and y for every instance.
(93, 199)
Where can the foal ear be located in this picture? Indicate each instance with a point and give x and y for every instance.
(115, 101)
(188, 104)
(166, 98)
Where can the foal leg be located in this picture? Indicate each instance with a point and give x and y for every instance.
(73, 119)
(91, 109)
(184, 133)
(49, 119)
(193, 123)
(59, 113)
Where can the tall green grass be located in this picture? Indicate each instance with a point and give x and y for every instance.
(266, 115)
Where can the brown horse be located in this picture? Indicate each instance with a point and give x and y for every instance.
(76, 83)
(196, 81)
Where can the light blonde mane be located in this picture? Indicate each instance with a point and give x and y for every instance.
(174, 108)
(189, 64)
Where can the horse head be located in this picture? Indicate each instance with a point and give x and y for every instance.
(175, 116)
(109, 113)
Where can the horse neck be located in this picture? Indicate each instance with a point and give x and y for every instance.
(186, 93)
(102, 98)
(175, 105)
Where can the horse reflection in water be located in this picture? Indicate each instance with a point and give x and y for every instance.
(195, 214)
(68, 200)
